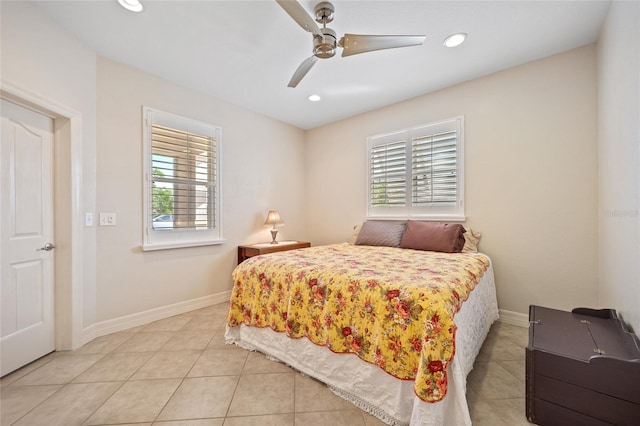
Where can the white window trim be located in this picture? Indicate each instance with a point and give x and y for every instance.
(454, 214)
(164, 239)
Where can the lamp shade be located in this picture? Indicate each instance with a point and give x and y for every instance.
(273, 218)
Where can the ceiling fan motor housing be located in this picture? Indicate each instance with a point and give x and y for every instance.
(324, 12)
(325, 47)
(325, 42)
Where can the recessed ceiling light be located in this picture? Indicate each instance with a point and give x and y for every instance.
(455, 39)
(314, 98)
(132, 5)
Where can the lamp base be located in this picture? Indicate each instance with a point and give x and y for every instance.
(274, 232)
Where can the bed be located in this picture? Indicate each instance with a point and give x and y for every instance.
(379, 325)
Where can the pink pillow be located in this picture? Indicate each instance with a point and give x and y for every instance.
(433, 236)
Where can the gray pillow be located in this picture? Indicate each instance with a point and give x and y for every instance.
(381, 233)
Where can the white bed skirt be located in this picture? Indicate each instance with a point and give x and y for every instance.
(369, 387)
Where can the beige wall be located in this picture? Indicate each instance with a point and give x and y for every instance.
(45, 62)
(261, 169)
(531, 174)
(531, 156)
(619, 160)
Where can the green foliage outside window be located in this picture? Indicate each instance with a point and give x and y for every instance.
(162, 197)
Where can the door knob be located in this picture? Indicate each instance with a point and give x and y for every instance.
(47, 247)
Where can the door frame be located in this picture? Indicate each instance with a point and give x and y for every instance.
(68, 207)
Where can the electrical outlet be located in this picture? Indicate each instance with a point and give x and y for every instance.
(107, 219)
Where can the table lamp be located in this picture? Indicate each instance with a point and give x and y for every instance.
(273, 218)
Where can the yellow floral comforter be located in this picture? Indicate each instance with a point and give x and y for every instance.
(391, 307)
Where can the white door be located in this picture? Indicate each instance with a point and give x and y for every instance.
(26, 237)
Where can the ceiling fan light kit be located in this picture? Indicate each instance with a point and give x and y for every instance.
(325, 47)
(325, 41)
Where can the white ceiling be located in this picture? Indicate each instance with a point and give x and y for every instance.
(245, 52)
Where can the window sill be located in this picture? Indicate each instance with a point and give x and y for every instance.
(425, 217)
(177, 245)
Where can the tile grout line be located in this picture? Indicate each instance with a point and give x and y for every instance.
(52, 355)
(155, 419)
(84, 422)
(112, 352)
(186, 374)
(129, 378)
(226, 414)
(39, 404)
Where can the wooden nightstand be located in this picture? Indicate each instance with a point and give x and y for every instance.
(245, 252)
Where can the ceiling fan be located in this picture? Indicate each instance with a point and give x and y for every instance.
(325, 41)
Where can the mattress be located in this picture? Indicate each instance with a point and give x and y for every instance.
(369, 387)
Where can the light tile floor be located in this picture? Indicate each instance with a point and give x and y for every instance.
(178, 371)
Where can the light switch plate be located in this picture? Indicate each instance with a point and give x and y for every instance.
(107, 219)
(88, 219)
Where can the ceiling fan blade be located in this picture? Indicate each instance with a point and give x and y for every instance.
(297, 12)
(302, 70)
(352, 44)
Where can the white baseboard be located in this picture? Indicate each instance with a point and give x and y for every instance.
(133, 320)
(514, 318)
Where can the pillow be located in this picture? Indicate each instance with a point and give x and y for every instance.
(433, 236)
(381, 233)
(471, 241)
(354, 235)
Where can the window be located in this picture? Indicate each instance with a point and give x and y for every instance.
(417, 172)
(181, 182)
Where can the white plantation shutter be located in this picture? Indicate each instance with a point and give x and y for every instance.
(182, 184)
(184, 167)
(388, 173)
(434, 169)
(417, 172)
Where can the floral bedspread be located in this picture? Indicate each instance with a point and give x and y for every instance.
(391, 307)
